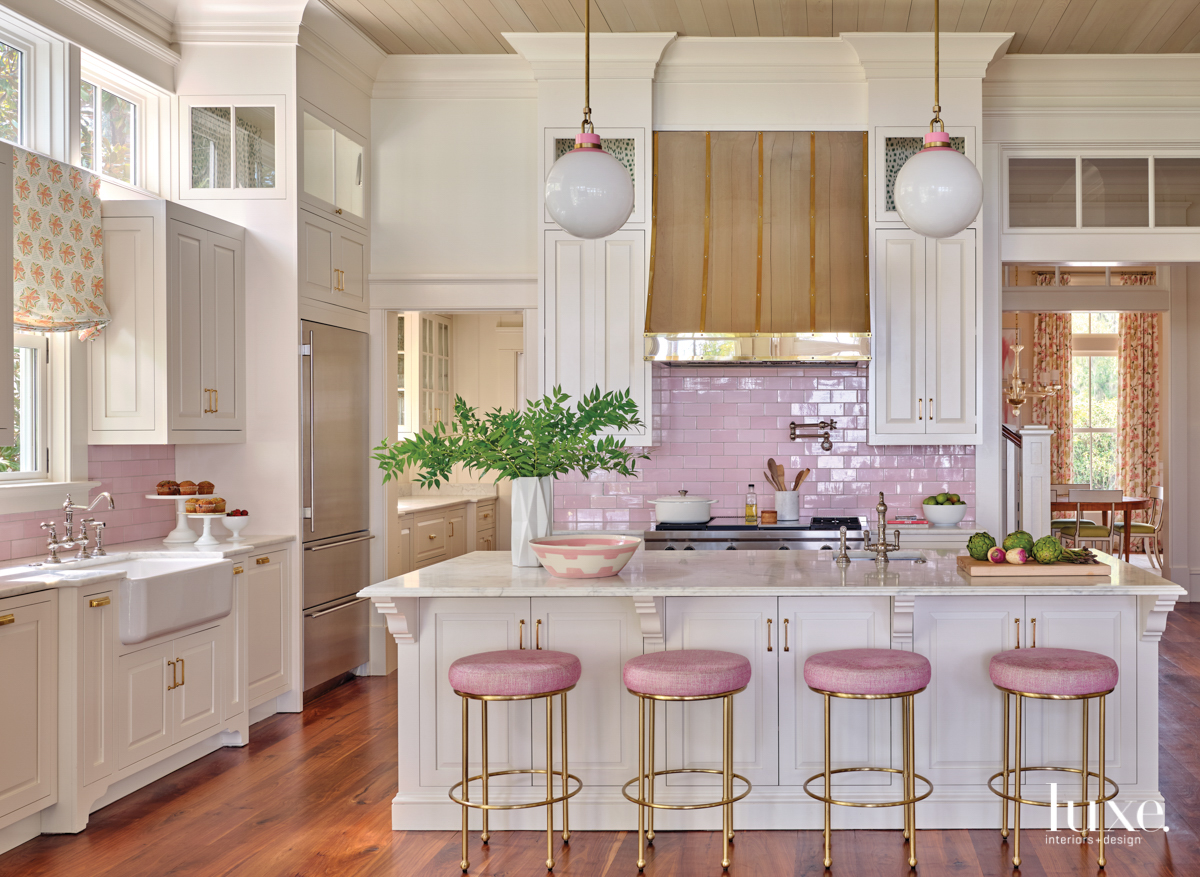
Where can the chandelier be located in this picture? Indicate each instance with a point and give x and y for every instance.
(1018, 391)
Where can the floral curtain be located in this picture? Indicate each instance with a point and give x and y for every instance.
(1139, 380)
(58, 247)
(1052, 352)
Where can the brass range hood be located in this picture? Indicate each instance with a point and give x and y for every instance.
(759, 248)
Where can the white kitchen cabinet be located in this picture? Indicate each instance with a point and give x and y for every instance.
(959, 635)
(693, 731)
(452, 628)
(333, 262)
(29, 699)
(861, 729)
(268, 652)
(233, 685)
(604, 633)
(171, 366)
(400, 545)
(924, 364)
(431, 532)
(593, 312)
(456, 535)
(97, 624)
(333, 167)
(166, 694)
(435, 383)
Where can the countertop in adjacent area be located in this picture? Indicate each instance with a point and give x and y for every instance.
(20, 577)
(752, 573)
(407, 504)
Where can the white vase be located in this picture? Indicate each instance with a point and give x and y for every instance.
(532, 517)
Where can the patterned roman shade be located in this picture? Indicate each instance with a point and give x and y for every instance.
(58, 247)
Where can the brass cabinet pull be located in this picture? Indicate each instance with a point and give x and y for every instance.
(182, 671)
(173, 684)
(920, 409)
(216, 401)
(237, 570)
(786, 648)
(338, 211)
(261, 560)
(208, 401)
(487, 515)
(521, 634)
(97, 602)
(7, 619)
(931, 408)
(1017, 622)
(537, 634)
(451, 529)
(1033, 645)
(769, 647)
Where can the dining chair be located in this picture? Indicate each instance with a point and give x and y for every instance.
(1079, 532)
(1061, 493)
(1150, 534)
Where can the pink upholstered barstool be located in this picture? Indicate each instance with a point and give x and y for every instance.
(1052, 674)
(683, 675)
(871, 674)
(516, 674)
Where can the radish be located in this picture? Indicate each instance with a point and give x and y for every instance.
(996, 554)
(1016, 555)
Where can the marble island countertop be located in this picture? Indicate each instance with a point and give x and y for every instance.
(753, 573)
(28, 574)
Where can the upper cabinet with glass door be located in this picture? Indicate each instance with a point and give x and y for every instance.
(334, 169)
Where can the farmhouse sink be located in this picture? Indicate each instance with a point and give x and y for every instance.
(163, 595)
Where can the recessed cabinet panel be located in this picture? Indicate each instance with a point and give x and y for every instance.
(316, 257)
(196, 704)
(268, 657)
(694, 729)
(28, 702)
(226, 349)
(950, 357)
(333, 262)
(192, 305)
(453, 628)
(143, 703)
(98, 627)
(900, 334)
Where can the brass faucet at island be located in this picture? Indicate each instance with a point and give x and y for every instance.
(54, 544)
(881, 547)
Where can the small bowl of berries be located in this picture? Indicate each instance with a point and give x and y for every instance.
(235, 522)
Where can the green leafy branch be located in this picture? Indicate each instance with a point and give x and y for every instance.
(548, 438)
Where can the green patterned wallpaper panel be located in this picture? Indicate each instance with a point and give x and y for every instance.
(620, 148)
(899, 150)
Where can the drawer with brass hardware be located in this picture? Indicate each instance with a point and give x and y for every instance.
(237, 570)
(431, 532)
(485, 515)
(485, 540)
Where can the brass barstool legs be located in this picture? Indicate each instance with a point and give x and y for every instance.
(551, 799)
(1017, 771)
(908, 773)
(647, 773)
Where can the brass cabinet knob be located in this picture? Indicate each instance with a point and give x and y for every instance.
(99, 601)
(261, 560)
(237, 570)
(7, 619)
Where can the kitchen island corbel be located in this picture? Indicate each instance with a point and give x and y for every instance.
(776, 608)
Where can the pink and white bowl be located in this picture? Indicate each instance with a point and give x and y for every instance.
(584, 557)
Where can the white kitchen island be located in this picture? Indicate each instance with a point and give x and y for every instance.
(776, 608)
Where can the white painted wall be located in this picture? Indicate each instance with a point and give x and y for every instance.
(455, 187)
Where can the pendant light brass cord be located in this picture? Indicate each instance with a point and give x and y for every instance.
(587, 67)
(937, 109)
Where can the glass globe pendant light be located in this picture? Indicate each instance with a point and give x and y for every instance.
(938, 192)
(588, 192)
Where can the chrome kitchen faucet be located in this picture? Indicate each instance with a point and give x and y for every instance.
(881, 547)
(54, 544)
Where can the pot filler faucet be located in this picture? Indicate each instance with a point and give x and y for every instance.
(80, 540)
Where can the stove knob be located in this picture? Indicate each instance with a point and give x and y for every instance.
(784, 548)
(731, 548)
(670, 548)
(825, 548)
(690, 548)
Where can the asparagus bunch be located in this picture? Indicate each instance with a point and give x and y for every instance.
(1078, 555)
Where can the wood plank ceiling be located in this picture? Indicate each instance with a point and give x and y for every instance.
(1041, 26)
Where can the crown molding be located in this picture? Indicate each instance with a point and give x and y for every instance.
(237, 32)
(909, 55)
(759, 59)
(143, 16)
(339, 44)
(613, 55)
(131, 31)
(462, 77)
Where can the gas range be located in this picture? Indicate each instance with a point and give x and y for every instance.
(734, 534)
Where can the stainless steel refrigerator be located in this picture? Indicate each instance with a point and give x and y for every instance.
(334, 381)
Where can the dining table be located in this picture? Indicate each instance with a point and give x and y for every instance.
(1126, 506)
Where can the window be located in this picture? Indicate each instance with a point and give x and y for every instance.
(233, 147)
(1094, 400)
(12, 93)
(108, 127)
(402, 426)
(26, 459)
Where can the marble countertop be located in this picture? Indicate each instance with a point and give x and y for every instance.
(752, 573)
(408, 504)
(23, 577)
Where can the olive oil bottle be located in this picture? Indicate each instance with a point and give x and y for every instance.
(751, 506)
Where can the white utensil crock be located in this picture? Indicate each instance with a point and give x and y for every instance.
(787, 504)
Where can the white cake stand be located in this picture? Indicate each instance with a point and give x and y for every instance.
(207, 539)
(182, 534)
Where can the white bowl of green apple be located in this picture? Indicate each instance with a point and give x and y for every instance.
(944, 509)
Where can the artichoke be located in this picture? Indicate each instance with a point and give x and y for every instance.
(978, 545)
(1018, 539)
(1047, 550)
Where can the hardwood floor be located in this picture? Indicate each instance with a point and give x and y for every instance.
(310, 796)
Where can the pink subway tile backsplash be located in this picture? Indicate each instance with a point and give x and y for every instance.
(718, 426)
(129, 473)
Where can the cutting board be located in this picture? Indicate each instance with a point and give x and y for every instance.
(973, 567)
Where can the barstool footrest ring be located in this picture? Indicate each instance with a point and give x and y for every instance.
(542, 803)
(1108, 782)
(828, 800)
(658, 773)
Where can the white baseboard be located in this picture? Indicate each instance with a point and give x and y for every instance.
(12, 836)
